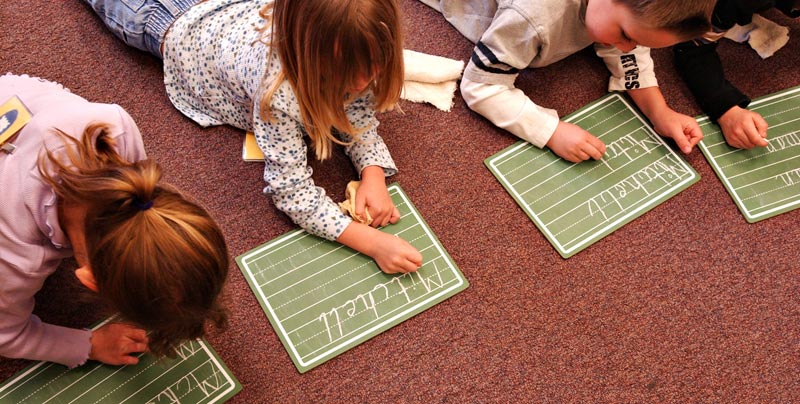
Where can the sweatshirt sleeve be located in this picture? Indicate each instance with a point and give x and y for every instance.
(629, 70)
(699, 65)
(23, 334)
(368, 148)
(487, 85)
(509, 108)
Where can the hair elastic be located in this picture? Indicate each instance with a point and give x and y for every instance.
(142, 205)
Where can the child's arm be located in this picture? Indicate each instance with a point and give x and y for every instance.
(391, 253)
(372, 160)
(633, 72)
(509, 108)
(24, 335)
(681, 128)
(699, 65)
(292, 189)
(511, 43)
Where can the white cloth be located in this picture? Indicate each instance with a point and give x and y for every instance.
(763, 35)
(430, 78)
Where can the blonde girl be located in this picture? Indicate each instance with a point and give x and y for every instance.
(285, 70)
(79, 184)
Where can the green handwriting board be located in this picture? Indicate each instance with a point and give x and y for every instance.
(323, 298)
(764, 181)
(196, 375)
(575, 205)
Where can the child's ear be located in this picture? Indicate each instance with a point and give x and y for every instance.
(86, 277)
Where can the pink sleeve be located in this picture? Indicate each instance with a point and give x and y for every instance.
(24, 335)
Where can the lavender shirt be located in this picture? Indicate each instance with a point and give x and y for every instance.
(32, 242)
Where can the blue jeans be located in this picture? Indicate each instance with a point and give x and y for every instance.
(141, 23)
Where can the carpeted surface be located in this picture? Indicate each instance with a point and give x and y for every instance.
(688, 303)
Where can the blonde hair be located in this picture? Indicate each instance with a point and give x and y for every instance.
(686, 18)
(324, 47)
(158, 259)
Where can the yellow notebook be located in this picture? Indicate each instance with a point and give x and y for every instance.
(13, 116)
(250, 149)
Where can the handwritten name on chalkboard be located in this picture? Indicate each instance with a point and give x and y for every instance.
(323, 298)
(763, 181)
(575, 205)
(195, 375)
(661, 173)
(398, 286)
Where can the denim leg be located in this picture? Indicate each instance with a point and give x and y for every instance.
(140, 23)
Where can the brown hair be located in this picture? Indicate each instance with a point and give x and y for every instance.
(686, 18)
(324, 47)
(158, 259)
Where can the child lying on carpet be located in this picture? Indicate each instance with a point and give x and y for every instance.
(513, 35)
(285, 69)
(76, 182)
(701, 69)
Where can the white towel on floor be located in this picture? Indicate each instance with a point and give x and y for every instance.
(763, 35)
(430, 78)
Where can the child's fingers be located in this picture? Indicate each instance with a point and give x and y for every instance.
(761, 125)
(395, 216)
(137, 335)
(361, 205)
(683, 143)
(379, 218)
(591, 150)
(693, 133)
(687, 139)
(597, 145)
(129, 360)
(408, 265)
(752, 137)
(136, 348)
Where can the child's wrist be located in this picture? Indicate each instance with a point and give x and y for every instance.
(372, 173)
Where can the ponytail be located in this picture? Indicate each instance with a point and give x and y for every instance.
(158, 259)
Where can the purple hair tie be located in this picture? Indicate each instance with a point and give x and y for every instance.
(142, 205)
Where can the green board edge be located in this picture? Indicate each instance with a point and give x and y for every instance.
(36, 370)
(715, 136)
(398, 196)
(567, 252)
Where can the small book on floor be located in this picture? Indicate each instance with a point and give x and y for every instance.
(13, 116)
(250, 149)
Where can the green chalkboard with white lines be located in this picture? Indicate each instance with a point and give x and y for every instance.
(323, 298)
(576, 204)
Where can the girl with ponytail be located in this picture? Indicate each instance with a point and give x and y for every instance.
(79, 184)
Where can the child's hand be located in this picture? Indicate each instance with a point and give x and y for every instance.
(681, 128)
(373, 196)
(743, 129)
(574, 144)
(395, 255)
(117, 344)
